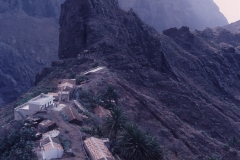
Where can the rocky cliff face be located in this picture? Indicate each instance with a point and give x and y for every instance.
(182, 87)
(163, 14)
(28, 43)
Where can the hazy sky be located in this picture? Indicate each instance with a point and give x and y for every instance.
(230, 9)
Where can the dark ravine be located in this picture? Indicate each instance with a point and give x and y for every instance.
(28, 42)
(163, 14)
(180, 86)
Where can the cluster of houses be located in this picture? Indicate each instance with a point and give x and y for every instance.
(50, 145)
(65, 89)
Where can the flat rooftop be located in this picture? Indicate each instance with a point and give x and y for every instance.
(40, 98)
(25, 107)
(53, 94)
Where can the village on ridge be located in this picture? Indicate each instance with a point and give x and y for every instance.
(53, 114)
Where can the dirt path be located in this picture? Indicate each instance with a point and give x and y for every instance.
(72, 133)
(93, 70)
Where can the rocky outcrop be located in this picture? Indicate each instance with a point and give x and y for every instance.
(182, 86)
(28, 43)
(163, 14)
(233, 27)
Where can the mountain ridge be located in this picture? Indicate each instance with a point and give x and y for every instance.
(164, 14)
(183, 83)
(180, 86)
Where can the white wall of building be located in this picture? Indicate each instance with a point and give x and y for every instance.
(36, 104)
(23, 112)
(52, 153)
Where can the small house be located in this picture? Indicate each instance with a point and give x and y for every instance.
(51, 148)
(46, 126)
(66, 88)
(72, 115)
(102, 112)
(64, 95)
(97, 150)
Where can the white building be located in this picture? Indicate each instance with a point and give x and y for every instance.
(38, 103)
(51, 148)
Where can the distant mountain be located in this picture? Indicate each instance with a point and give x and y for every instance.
(233, 27)
(163, 14)
(28, 43)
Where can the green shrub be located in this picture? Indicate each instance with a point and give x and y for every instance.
(134, 144)
(234, 153)
(18, 144)
(81, 79)
(110, 95)
(66, 143)
(65, 117)
(88, 99)
(72, 76)
(94, 65)
(226, 148)
(95, 131)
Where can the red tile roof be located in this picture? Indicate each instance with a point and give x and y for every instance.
(97, 149)
(101, 112)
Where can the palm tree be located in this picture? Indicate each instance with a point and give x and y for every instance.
(114, 122)
(134, 144)
(111, 94)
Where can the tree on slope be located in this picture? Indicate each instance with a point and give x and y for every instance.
(114, 122)
(111, 95)
(134, 144)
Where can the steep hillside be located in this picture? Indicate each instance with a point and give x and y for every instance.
(163, 14)
(181, 87)
(28, 43)
(233, 27)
